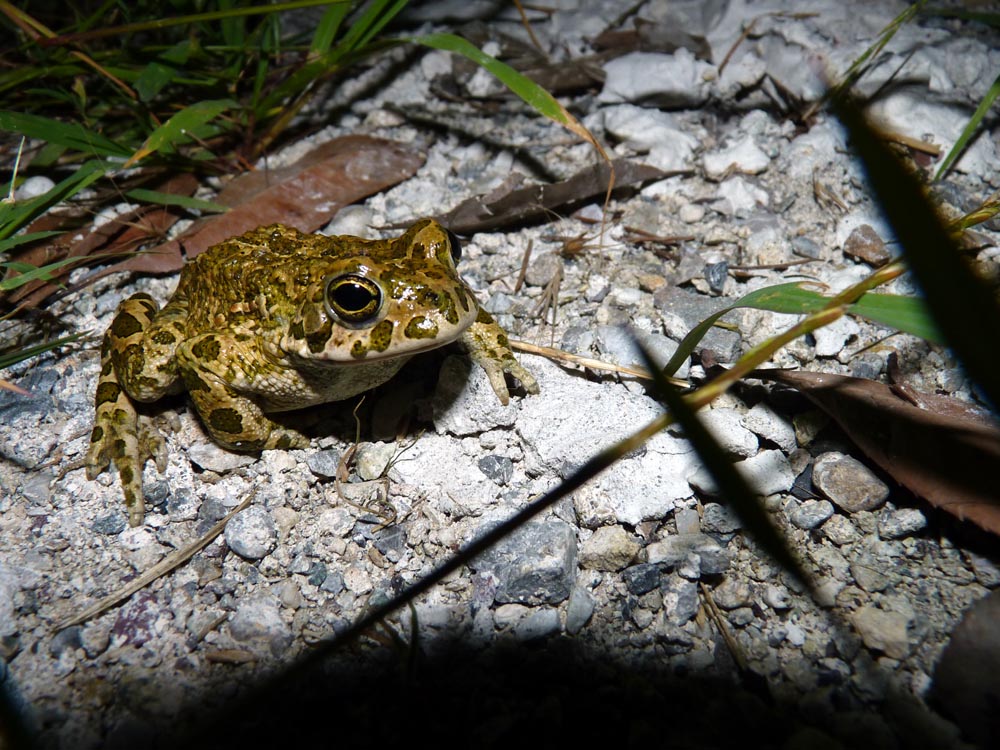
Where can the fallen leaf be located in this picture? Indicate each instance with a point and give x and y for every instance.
(943, 450)
(493, 212)
(304, 195)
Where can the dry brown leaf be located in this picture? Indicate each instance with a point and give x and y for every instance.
(304, 195)
(943, 450)
(483, 214)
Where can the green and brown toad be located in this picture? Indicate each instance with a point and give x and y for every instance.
(276, 320)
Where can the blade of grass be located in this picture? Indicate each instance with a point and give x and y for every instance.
(731, 484)
(179, 127)
(970, 128)
(13, 216)
(28, 272)
(170, 199)
(24, 239)
(69, 135)
(327, 28)
(19, 355)
(908, 314)
(963, 307)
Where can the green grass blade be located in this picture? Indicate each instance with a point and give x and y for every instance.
(162, 72)
(24, 239)
(963, 306)
(18, 355)
(13, 216)
(28, 272)
(170, 199)
(530, 92)
(369, 23)
(65, 134)
(179, 128)
(970, 128)
(327, 28)
(907, 314)
(731, 485)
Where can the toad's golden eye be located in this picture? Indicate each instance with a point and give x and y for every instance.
(353, 299)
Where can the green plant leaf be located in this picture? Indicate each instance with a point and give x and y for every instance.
(327, 28)
(28, 272)
(970, 128)
(963, 306)
(161, 72)
(732, 486)
(9, 358)
(180, 127)
(530, 92)
(13, 216)
(907, 314)
(24, 239)
(65, 134)
(170, 199)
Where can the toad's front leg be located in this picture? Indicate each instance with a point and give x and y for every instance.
(489, 348)
(136, 365)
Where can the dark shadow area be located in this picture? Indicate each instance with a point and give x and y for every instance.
(555, 691)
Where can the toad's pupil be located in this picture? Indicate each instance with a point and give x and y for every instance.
(352, 297)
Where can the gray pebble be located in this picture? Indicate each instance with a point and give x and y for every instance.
(850, 484)
(896, 524)
(324, 463)
(719, 519)
(498, 468)
(741, 617)
(883, 630)
(67, 639)
(839, 530)
(680, 599)
(716, 275)
(541, 623)
(777, 597)
(111, 523)
(251, 533)
(214, 458)
(811, 514)
(687, 521)
(535, 564)
(641, 579)
(732, 594)
(258, 620)
(579, 609)
(333, 583)
(806, 248)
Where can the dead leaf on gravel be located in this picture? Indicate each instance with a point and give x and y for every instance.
(122, 234)
(304, 195)
(494, 211)
(942, 450)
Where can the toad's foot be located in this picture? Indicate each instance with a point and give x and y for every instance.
(489, 348)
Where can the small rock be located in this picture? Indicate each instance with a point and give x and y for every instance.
(848, 483)
(324, 463)
(864, 244)
(498, 468)
(214, 458)
(674, 549)
(770, 425)
(676, 80)
(67, 639)
(691, 213)
(111, 523)
(33, 187)
(372, 458)
(609, 548)
(777, 597)
(895, 524)
(541, 623)
(251, 533)
(643, 578)
(716, 275)
(680, 599)
(795, 634)
(811, 514)
(258, 620)
(726, 426)
(732, 593)
(536, 564)
(741, 616)
(743, 156)
(687, 520)
(883, 630)
(719, 519)
(839, 530)
(579, 609)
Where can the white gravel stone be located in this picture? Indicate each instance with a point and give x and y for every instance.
(251, 533)
(742, 156)
(672, 80)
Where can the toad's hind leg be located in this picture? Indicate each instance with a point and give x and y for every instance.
(234, 420)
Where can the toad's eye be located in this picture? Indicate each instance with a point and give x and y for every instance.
(353, 299)
(456, 246)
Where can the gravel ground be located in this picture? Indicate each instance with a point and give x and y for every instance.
(594, 620)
